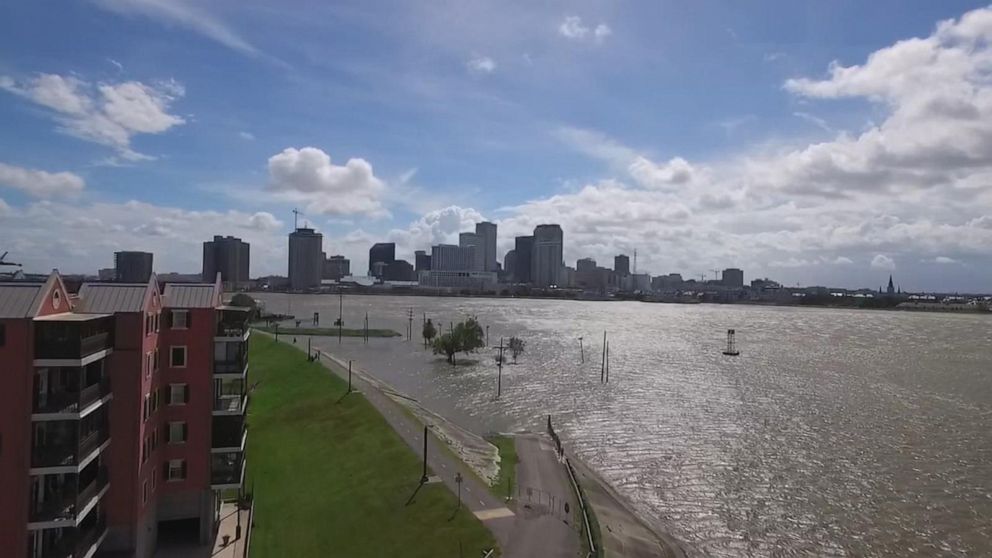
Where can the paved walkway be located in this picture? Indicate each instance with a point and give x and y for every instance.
(534, 530)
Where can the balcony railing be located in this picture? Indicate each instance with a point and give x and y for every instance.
(227, 469)
(74, 542)
(231, 403)
(62, 340)
(72, 401)
(228, 431)
(232, 329)
(236, 366)
(67, 452)
(70, 500)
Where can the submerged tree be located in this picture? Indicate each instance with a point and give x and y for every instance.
(429, 332)
(465, 337)
(446, 344)
(516, 346)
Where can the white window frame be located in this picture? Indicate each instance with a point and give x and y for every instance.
(172, 348)
(184, 314)
(175, 464)
(180, 389)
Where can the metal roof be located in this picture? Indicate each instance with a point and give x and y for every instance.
(195, 295)
(17, 299)
(107, 298)
(71, 317)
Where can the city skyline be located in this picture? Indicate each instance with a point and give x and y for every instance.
(824, 163)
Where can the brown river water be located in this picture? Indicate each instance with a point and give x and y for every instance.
(834, 433)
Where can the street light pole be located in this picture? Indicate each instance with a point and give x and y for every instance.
(582, 352)
(423, 477)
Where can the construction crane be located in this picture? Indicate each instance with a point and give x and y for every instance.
(2, 262)
(296, 217)
(715, 271)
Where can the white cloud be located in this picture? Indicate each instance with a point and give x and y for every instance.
(481, 65)
(4, 208)
(675, 172)
(39, 183)
(106, 113)
(773, 56)
(881, 261)
(307, 175)
(814, 120)
(945, 260)
(573, 28)
(246, 136)
(264, 221)
(182, 13)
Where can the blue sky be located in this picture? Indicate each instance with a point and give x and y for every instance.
(706, 135)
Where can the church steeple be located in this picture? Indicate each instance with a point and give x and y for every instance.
(891, 289)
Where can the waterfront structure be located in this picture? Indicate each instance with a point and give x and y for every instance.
(733, 278)
(487, 236)
(473, 241)
(621, 265)
(132, 267)
(672, 281)
(546, 269)
(228, 256)
(455, 279)
(306, 259)
(336, 267)
(585, 265)
(523, 246)
(448, 257)
(422, 261)
(384, 252)
(113, 409)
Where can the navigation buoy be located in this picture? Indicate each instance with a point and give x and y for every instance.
(731, 344)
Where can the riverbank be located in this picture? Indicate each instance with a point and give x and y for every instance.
(330, 476)
(329, 331)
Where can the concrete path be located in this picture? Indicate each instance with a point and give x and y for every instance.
(532, 530)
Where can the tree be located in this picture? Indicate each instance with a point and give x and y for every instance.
(446, 344)
(470, 336)
(245, 301)
(516, 346)
(429, 332)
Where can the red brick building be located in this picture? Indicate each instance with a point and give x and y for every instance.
(121, 409)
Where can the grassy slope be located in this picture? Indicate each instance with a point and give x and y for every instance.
(332, 478)
(507, 465)
(330, 331)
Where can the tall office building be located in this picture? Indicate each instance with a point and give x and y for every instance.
(381, 252)
(228, 256)
(733, 277)
(585, 265)
(510, 265)
(337, 267)
(621, 265)
(117, 414)
(306, 259)
(547, 262)
(448, 257)
(473, 241)
(422, 261)
(132, 267)
(487, 234)
(524, 248)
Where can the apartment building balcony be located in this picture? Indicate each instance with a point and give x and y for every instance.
(79, 542)
(68, 446)
(232, 324)
(69, 392)
(227, 470)
(228, 433)
(230, 396)
(72, 339)
(68, 503)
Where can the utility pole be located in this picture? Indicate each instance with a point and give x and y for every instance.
(458, 481)
(340, 314)
(602, 369)
(499, 375)
(582, 352)
(423, 477)
(349, 376)
(487, 336)
(366, 328)
(409, 327)
(607, 362)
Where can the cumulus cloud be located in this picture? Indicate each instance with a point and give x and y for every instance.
(481, 65)
(39, 183)
(573, 28)
(881, 261)
(945, 260)
(307, 175)
(246, 136)
(109, 114)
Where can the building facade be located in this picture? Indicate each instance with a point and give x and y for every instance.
(473, 241)
(228, 256)
(306, 259)
(523, 246)
(585, 264)
(621, 265)
(462, 280)
(422, 261)
(105, 415)
(381, 252)
(547, 256)
(399, 270)
(337, 267)
(448, 257)
(486, 232)
(132, 267)
(733, 278)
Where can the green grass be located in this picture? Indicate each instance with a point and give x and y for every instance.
(507, 466)
(331, 478)
(329, 331)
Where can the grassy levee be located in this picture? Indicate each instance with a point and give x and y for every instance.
(331, 478)
(329, 331)
(503, 487)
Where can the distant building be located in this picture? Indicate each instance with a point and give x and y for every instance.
(132, 267)
(672, 281)
(596, 279)
(585, 264)
(547, 257)
(336, 267)
(107, 274)
(470, 280)
(399, 270)
(510, 265)
(733, 278)
(384, 252)
(523, 246)
(621, 265)
(487, 235)
(306, 259)
(448, 257)
(422, 261)
(891, 289)
(474, 241)
(639, 282)
(228, 256)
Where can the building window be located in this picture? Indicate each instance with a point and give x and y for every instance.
(157, 322)
(144, 492)
(147, 408)
(177, 432)
(178, 394)
(177, 357)
(176, 470)
(155, 360)
(180, 319)
(3, 335)
(154, 478)
(149, 366)
(155, 400)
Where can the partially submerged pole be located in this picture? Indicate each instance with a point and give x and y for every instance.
(602, 368)
(582, 352)
(607, 362)
(349, 376)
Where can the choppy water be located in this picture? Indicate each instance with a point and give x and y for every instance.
(835, 433)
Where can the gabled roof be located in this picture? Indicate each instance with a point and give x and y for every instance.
(192, 295)
(17, 299)
(108, 298)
